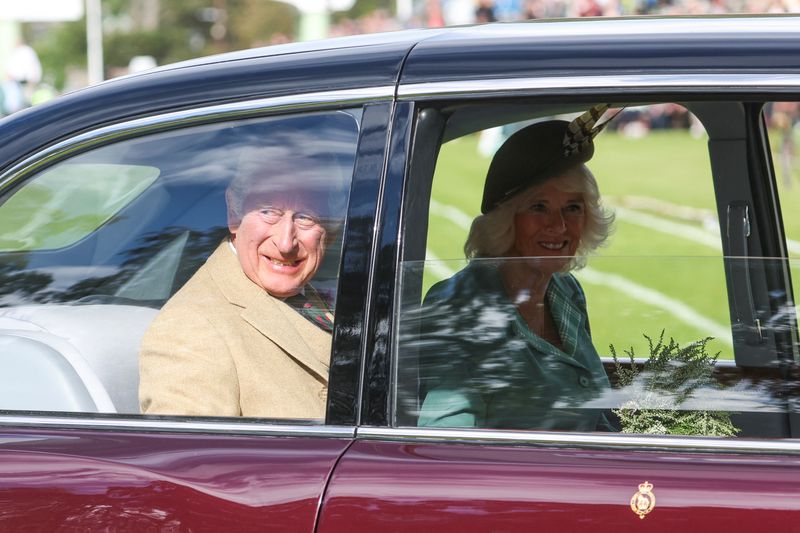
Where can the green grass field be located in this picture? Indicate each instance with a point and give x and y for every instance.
(661, 270)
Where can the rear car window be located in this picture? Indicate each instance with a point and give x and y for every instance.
(101, 241)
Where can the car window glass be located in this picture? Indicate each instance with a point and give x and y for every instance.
(654, 294)
(646, 188)
(783, 122)
(105, 239)
(69, 201)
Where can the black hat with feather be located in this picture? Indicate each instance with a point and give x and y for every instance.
(538, 152)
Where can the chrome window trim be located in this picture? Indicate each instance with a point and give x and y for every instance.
(189, 117)
(228, 427)
(586, 440)
(617, 83)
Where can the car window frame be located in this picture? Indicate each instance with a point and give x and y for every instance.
(675, 88)
(341, 416)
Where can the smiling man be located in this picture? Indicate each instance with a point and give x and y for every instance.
(248, 335)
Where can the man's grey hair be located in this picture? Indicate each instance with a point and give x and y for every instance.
(277, 170)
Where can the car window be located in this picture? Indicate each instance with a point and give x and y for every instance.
(640, 336)
(783, 121)
(68, 202)
(104, 284)
(646, 189)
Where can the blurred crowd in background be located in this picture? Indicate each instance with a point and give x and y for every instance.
(438, 13)
(23, 85)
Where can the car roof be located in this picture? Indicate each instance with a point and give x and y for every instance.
(767, 31)
(604, 45)
(404, 39)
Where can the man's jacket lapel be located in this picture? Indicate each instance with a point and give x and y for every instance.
(282, 325)
(271, 317)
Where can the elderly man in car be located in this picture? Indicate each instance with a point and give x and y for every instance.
(248, 335)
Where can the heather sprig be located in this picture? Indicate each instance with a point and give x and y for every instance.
(665, 380)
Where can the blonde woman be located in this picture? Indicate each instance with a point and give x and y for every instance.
(506, 341)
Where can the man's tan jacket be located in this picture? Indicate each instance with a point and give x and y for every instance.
(222, 346)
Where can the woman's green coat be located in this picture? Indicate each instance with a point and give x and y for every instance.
(481, 366)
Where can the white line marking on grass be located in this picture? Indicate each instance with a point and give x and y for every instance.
(704, 236)
(793, 246)
(649, 296)
(436, 266)
(454, 214)
(677, 229)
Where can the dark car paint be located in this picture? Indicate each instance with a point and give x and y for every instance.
(375, 405)
(589, 48)
(357, 255)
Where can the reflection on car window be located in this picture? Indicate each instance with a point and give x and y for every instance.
(783, 119)
(68, 202)
(655, 352)
(478, 360)
(125, 227)
(250, 333)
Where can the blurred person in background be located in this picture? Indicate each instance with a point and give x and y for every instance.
(22, 76)
(484, 13)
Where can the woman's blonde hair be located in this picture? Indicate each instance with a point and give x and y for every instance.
(492, 234)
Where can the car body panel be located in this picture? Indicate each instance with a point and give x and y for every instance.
(105, 480)
(465, 483)
(435, 486)
(374, 407)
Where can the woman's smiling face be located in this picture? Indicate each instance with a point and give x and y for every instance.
(280, 246)
(551, 225)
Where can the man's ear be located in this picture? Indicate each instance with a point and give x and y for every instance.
(233, 222)
(233, 219)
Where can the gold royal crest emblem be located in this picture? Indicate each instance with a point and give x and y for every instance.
(643, 501)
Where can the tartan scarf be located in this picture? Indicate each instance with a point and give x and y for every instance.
(313, 308)
(567, 316)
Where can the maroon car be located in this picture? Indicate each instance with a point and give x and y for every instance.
(112, 197)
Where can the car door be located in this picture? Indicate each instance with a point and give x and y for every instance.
(99, 231)
(696, 264)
